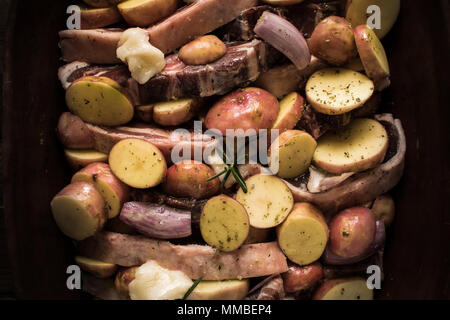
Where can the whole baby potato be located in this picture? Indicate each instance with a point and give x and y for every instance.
(203, 50)
(352, 231)
(299, 278)
(189, 179)
(249, 108)
(333, 40)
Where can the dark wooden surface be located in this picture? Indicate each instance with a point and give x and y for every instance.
(418, 248)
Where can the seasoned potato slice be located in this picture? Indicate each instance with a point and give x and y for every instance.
(220, 290)
(304, 234)
(356, 13)
(114, 191)
(99, 100)
(268, 201)
(98, 268)
(224, 223)
(359, 146)
(174, 113)
(291, 110)
(138, 163)
(337, 91)
(292, 153)
(79, 210)
(78, 159)
(344, 289)
(372, 53)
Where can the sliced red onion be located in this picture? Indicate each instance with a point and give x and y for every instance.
(378, 242)
(157, 221)
(285, 37)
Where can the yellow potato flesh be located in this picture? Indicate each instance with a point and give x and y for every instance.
(389, 9)
(268, 201)
(98, 100)
(224, 223)
(349, 290)
(137, 163)
(220, 290)
(337, 91)
(302, 239)
(378, 50)
(83, 155)
(294, 155)
(73, 219)
(133, 3)
(359, 146)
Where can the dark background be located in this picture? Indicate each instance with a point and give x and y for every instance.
(418, 247)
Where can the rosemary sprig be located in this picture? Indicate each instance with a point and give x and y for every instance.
(194, 285)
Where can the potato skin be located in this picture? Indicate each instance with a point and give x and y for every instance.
(249, 108)
(147, 13)
(73, 132)
(99, 17)
(333, 41)
(78, 159)
(188, 179)
(299, 278)
(352, 231)
(328, 285)
(384, 209)
(99, 269)
(203, 50)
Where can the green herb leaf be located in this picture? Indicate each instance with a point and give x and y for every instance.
(188, 293)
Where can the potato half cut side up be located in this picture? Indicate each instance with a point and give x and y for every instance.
(221, 290)
(138, 163)
(224, 223)
(268, 200)
(336, 91)
(359, 146)
(78, 159)
(98, 268)
(99, 100)
(79, 210)
(304, 235)
(292, 151)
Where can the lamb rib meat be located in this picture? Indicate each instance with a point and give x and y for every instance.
(242, 64)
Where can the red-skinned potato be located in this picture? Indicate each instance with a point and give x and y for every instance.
(189, 179)
(372, 54)
(79, 210)
(291, 110)
(384, 209)
(333, 41)
(249, 108)
(203, 50)
(299, 278)
(114, 191)
(352, 231)
(73, 132)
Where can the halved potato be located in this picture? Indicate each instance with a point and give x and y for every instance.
(97, 3)
(258, 235)
(359, 146)
(337, 91)
(92, 18)
(221, 290)
(356, 13)
(344, 289)
(355, 64)
(145, 113)
(268, 201)
(291, 110)
(79, 210)
(224, 223)
(138, 163)
(143, 13)
(304, 235)
(98, 268)
(292, 153)
(114, 191)
(78, 159)
(372, 53)
(174, 113)
(99, 100)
